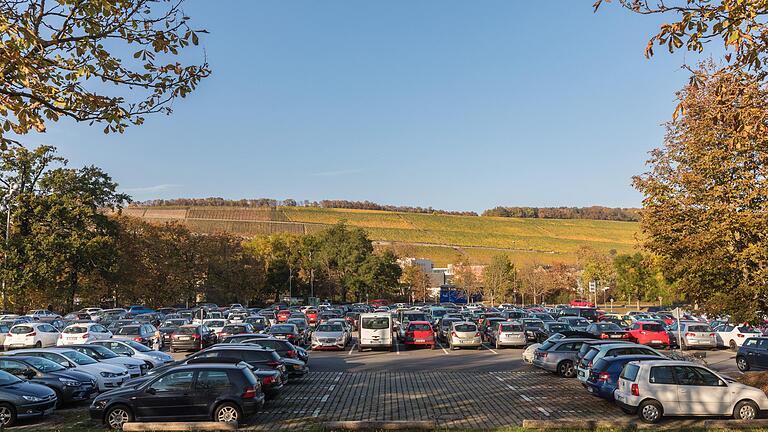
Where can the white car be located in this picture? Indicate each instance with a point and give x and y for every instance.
(136, 350)
(658, 388)
(41, 313)
(136, 367)
(529, 352)
(107, 376)
(215, 324)
(83, 333)
(734, 336)
(28, 335)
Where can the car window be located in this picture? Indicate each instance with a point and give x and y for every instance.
(128, 330)
(763, 344)
(174, 382)
(653, 327)
(12, 366)
(571, 346)
(662, 375)
(465, 328)
(690, 375)
(630, 372)
(375, 323)
(79, 358)
(512, 328)
(20, 329)
(698, 328)
(120, 348)
(750, 343)
(212, 380)
(75, 330)
(419, 327)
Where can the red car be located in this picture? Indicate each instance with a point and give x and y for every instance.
(311, 316)
(582, 303)
(649, 333)
(283, 315)
(419, 333)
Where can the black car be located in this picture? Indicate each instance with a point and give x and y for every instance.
(233, 329)
(284, 348)
(22, 399)
(288, 332)
(243, 337)
(192, 337)
(257, 356)
(69, 385)
(218, 392)
(259, 323)
(549, 329)
(753, 354)
(607, 330)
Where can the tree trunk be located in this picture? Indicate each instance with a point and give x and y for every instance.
(73, 280)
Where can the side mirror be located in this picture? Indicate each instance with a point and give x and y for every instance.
(151, 391)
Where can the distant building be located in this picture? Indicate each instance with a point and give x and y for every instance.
(476, 269)
(425, 264)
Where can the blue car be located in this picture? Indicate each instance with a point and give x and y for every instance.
(138, 310)
(604, 376)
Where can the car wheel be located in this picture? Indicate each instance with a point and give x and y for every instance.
(7, 415)
(38, 344)
(746, 410)
(59, 399)
(742, 364)
(565, 369)
(650, 411)
(227, 412)
(117, 416)
(732, 345)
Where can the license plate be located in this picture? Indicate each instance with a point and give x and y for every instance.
(615, 336)
(184, 338)
(72, 338)
(618, 397)
(420, 340)
(656, 341)
(466, 341)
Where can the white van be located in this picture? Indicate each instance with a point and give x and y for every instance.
(375, 331)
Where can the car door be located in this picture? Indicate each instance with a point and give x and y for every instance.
(209, 385)
(761, 354)
(663, 387)
(48, 335)
(700, 392)
(169, 396)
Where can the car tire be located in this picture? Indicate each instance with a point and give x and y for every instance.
(565, 369)
(732, 345)
(38, 344)
(7, 415)
(118, 415)
(746, 410)
(650, 411)
(227, 412)
(742, 364)
(59, 399)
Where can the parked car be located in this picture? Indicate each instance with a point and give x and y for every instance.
(753, 354)
(558, 356)
(464, 334)
(532, 326)
(444, 327)
(733, 336)
(233, 329)
(649, 333)
(286, 331)
(136, 367)
(576, 322)
(304, 330)
(259, 323)
(257, 357)
(215, 324)
(283, 315)
(136, 350)
(192, 337)
(28, 335)
(596, 352)
(550, 328)
(692, 335)
(82, 333)
(218, 392)
(329, 336)
(419, 333)
(607, 330)
(20, 399)
(508, 333)
(283, 348)
(107, 376)
(375, 331)
(581, 303)
(654, 389)
(69, 385)
(604, 376)
(141, 333)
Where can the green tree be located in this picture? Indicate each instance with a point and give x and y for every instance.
(499, 279)
(380, 274)
(56, 57)
(417, 281)
(341, 253)
(705, 206)
(596, 266)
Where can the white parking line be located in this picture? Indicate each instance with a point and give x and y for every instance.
(526, 398)
(397, 347)
(442, 348)
(543, 411)
(489, 349)
(352, 349)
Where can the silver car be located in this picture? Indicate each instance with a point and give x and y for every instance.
(329, 336)
(558, 356)
(464, 334)
(693, 334)
(508, 333)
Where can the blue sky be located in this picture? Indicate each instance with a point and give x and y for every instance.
(444, 103)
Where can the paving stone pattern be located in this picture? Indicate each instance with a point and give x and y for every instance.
(466, 400)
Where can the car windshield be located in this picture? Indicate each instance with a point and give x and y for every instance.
(419, 327)
(234, 329)
(78, 358)
(653, 327)
(75, 329)
(745, 329)
(44, 365)
(281, 328)
(128, 330)
(511, 328)
(466, 328)
(137, 346)
(608, 327)
(375, 323)
(698, 328)
(19, 329)
(186, 330)
(8, 379)
(104, 352)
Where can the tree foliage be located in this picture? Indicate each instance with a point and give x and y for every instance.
(500, 279)
(414, 277)
(706, 194)
(105, 61)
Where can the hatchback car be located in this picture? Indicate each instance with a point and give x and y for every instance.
(21, 399)
(649, 333)
(218, 392)
(136, 367)
(419, 333)
(83, 333)
(607, 330)
(141, 333)
(192, 337)
(604, 375)
(693, 335)
(233, 329)
(654, 389)
(107, 376)
(286, 331)
(558, 356)
(732, 336)
(464, 334)
(507, 333)
(576, 322)
(38, 335)
(597, 352)
(753, 354)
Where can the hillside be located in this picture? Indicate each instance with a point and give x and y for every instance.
(442, 238)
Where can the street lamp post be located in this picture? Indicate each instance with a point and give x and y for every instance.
(8, 199)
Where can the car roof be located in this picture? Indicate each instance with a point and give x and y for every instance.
(669, 362)
(632, 357)
(57, 350)
(236, 345)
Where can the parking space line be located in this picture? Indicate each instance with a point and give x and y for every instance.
(489, 349)
(352, 349)
(543, 411)
(397, 347)
(442, 348)
(526, 398)
(511, 387)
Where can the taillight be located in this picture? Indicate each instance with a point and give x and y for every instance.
(268, 380)
(603, 376)
(625, 336)
(273, 363)
(477, 334)
(85, 335)
(138, 339)
(635, 390)
(250, 393)
(61, 336)
(453, 333)
(690, 334)
(603, 336)
(713, 335)
(740, 335)
(291, 353)
(32, 334)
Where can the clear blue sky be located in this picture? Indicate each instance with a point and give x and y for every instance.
(444, 103)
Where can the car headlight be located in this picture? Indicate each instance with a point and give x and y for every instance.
(109, 374)
(131, 366)
(32, 398)
(69, 383)
(100, 404)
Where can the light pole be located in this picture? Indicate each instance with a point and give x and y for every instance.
(8, 199)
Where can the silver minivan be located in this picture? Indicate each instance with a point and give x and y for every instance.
(507, 333)
(464, 334)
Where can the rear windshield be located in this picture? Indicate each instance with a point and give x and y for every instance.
(558, 327)
(511, 328)
(217, 323)
(75, 330)
(546, 346)
(466, 328)
(234, 328)
(591, 354)
(653, 327)
(375, 323)
(600, 365)
(608, 327)
(282, 328)
(186, 330)
(630, 372)
(698, 328)
(21, 329)
(748, 330)
(414, 317)
(127, 331)
(419, 327)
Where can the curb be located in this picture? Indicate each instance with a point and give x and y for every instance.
(180, 426)
(736, 424)
(380, 425)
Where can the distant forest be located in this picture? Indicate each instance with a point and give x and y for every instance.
(594, 213)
